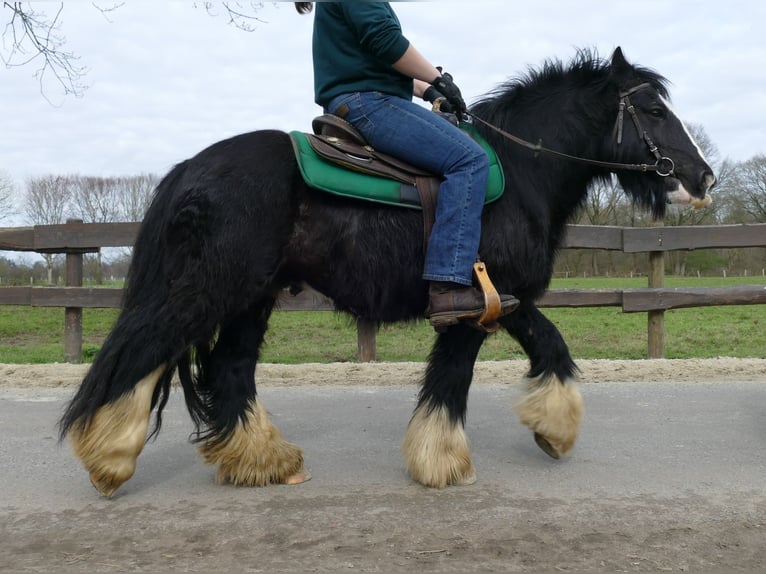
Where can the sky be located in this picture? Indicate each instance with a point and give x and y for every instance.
(167, 79)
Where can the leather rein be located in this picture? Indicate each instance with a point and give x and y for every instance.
(663, 166)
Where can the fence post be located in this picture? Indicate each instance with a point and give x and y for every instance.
(366, 335)
(656, 319)
(73, 315)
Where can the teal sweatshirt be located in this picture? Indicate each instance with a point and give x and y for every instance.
(354, 46)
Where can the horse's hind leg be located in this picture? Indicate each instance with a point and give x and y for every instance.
(239, 437)
(108, 418)
(553, 406)
(110, 443)
(435, 446)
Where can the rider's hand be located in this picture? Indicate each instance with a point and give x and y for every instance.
(437, 99)
(449, 90)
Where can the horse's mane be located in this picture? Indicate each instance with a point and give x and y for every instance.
(587, 70)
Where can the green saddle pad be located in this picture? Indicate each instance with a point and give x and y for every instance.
(333, 178)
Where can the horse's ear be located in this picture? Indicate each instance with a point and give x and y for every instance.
(620, 66)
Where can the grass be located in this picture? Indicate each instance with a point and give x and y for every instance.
(35, 335)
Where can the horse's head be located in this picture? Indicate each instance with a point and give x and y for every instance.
(648, 131)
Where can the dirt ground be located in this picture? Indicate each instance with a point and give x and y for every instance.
(511, 372)
(400, 527)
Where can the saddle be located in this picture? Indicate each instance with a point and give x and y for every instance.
(336, 140)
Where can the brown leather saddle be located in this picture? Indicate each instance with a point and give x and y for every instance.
(337, 141)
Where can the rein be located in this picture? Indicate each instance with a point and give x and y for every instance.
(663, 167)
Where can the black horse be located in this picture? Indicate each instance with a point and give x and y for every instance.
(234, 225)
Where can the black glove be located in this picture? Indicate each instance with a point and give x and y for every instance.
(449, 90)
(437, 99)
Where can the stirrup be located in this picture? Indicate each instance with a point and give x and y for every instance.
(487, 322)
(493, 305)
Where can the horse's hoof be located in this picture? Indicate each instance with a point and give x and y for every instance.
(553, 412)
(547, 447)
(435, 449)
(106, 487)
(467, 480)
(299, 477)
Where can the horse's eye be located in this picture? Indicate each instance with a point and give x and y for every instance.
(657, 112)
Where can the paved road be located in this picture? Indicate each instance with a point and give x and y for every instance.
(665, 476)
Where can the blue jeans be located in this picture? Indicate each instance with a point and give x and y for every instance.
(409, 131)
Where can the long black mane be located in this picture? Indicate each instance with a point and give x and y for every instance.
(586, 75)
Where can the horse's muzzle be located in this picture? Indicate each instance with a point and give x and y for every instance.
(698, 200)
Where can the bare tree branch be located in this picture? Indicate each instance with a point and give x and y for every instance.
(106, 10)
(241, 14)
(31, 36)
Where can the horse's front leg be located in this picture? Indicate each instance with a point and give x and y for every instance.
(435, 445)
(553, 406)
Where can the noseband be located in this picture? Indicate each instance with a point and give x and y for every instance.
(663, 166)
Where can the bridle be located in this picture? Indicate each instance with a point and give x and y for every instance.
(663, 166)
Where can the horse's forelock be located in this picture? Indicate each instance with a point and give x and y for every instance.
(658, 82)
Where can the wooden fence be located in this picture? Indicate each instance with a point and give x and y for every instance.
(76, 238)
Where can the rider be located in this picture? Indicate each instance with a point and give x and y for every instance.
(366, 71)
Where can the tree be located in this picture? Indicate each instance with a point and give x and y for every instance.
(47, 199)
(750, 180)
(705, 143)
(47, 202)
(738, 197)
(135, 194)
(725, 193)
(96, 201)
(110, 199)
(7, 189)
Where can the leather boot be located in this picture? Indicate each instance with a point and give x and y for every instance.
(450, 303)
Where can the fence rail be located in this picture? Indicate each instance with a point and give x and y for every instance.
(75, 238)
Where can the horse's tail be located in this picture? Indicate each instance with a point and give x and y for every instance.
(139, 344)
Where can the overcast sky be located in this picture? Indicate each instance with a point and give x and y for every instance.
(166, 79)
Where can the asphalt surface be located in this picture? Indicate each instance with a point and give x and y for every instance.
(665, 476)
